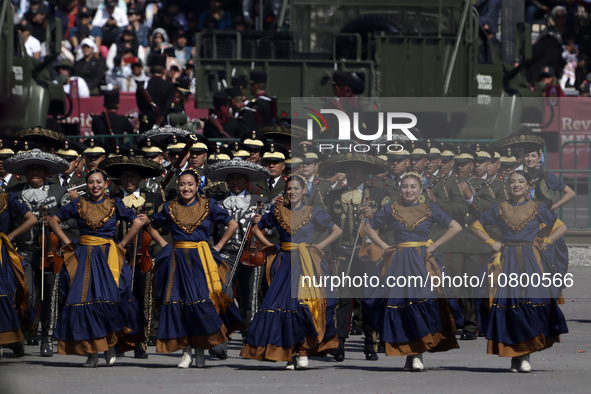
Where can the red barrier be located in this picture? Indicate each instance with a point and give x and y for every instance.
(83, 108)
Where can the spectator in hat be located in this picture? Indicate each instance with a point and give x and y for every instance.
(32, 45)
(160, 91)
(262, 102)
(135, 15)
(115, 123)
(246, 116)
(83, 29)
(126, 50)
(66, 68)
(91, 68)
(215, 17)
(111, 11)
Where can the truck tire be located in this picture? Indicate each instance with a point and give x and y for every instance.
(364, 25)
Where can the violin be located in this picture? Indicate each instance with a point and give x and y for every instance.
(52, 257)
(140, 248)
(252, 254)
(368, 251)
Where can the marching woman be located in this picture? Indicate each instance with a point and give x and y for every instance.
(522, 318)
(14, 294)
(413, 319)
(287, 324)
(194, 310)
(92, 318)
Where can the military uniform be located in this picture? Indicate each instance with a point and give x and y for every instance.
(161, 92)
(262, 103)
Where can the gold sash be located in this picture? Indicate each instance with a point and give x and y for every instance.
(312, 296)
(220, 300)
(115, 258)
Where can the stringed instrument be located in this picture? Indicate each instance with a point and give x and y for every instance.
(252, 254)
(140, 248)
(50, 247)
(368, 251)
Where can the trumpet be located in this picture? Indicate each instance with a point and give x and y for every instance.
(76, 187)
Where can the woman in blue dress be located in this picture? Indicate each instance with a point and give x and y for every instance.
(194, 310)
(287, 324)
(519, 317)
(413, 319)
(555, 256)
(14, 299)
(94, 315)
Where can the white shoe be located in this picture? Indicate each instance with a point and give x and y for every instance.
(515, 361)
(91, 361)
(291, 365)
(525, 366)
(110, 356)
(408, 363)
(417, 363)
(303, 362)
(186, 359)
(199, 358)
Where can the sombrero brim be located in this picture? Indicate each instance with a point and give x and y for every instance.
(340, 163)
(161, 134)
(280, 132)
(220, 170)
(18, 163)
(39, 134)
(529, 143)
(115, 166)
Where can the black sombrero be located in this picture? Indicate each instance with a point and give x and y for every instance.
(161, 134)
(369, 163)
(41, 135)
(115, 166)
(220, 170)
(527, 142)
(18, 163)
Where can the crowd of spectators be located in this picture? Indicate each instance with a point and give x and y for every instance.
(109, 43)
(561, 52)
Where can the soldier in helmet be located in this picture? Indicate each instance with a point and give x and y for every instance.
(110, 122)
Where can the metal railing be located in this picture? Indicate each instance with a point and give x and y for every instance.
(580, 179)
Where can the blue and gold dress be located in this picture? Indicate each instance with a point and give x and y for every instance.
(293, 318)
(521, 317)
(93, 279)
(411, 317)
(194, 309)
(14, 298)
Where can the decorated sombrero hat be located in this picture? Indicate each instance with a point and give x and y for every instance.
(115, 166)
(527, 142)
(220, 170)
(41, 135)
(369, 163)
(18, 163)
(161, 134)
(284, 131)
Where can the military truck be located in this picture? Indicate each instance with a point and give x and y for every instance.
(27, 94)
(403, 48)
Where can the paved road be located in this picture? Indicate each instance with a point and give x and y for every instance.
(566, 367)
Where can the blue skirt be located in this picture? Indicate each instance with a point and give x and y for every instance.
(10, 325)
(187, 314)
(92, 317)
(413, 319)
(519, 320)
(284, 324)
